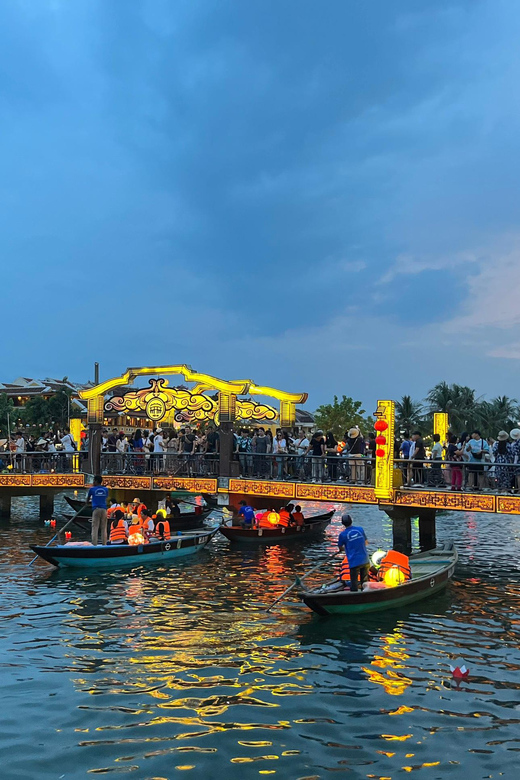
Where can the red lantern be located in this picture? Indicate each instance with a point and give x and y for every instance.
(381, 425)
(380, 453)
(380, 439)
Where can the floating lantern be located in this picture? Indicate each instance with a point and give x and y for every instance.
(459, 669)
(53, 523)
(394, 576)
(68, 536)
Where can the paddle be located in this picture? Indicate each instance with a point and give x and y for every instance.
(299, 580)
(61, 530)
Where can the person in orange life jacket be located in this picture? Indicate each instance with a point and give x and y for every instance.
(147, 524)
(247, 515)
(113, 506)
(354, 541)
(98, 495)
(264, 520)
(285, 518)
(298, 516)
(118, 528)
(162, 528)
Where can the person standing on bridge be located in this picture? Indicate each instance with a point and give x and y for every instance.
(98, 495)
(354, 541)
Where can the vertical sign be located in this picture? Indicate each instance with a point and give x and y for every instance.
(385, 426)
(441, 426)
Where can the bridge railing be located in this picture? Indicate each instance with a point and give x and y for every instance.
(458, 475)
(306, 468)
(160, 464)
(42, 462)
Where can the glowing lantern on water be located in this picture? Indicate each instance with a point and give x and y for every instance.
(381, 425)
(273, 518)
(394, 576)
(136, 539)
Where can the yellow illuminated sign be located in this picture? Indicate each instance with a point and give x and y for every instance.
(385, 428)
(441, 426)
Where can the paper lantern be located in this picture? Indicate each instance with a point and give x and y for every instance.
(135, 539)
(273, 518)
(381, 425)
(380, 453)
(380, 439)
(394, 576)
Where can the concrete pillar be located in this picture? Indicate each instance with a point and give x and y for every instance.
(5, 506)
(227, 466)
(94, 448)
(427, 538)
(402, 534)
(46, 506)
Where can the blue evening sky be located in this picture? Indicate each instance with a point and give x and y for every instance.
(317, 196)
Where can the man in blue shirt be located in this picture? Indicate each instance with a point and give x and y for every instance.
(247, 513)
(354, 541)
(98, 494)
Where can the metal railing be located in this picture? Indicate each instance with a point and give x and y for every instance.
(169, 464)
(464, 475)
(353, 470)
(42, 462)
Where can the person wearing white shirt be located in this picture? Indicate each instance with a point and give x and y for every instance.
(158, 449)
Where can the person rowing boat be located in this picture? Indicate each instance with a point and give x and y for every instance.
(353, 541)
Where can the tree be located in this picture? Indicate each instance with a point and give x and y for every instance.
(59, 405)
(498, 414)
(408, 413)
(38, 411)
(6, 408)
(458, 401)
(339, 416)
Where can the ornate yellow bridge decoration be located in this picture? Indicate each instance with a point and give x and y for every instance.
(159, 401)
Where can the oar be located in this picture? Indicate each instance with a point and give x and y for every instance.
(299, 580)
(61, 530)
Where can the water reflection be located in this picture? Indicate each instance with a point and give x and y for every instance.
(180, 669)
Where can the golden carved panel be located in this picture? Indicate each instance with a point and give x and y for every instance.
(343, 493)
(468, 502)
(508, 505)
(130, 483)
(58, 480)
(15, 480)
(192, 484)
(262, 488)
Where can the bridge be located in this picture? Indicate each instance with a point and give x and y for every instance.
(267, 480)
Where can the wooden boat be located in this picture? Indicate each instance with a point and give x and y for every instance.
(431, 571)
(188, 521)
(113, 556)
(76, 504)
(313, 526)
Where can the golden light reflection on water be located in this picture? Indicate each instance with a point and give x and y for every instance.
(393, 682)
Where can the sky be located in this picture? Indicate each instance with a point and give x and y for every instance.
(321, 197)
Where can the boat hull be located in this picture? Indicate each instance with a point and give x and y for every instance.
(115, 556)
(188, 521)
(313, 527)
(345, 602)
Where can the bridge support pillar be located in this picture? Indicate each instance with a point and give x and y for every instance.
(5, 506)
(46, 506)
(227, 466)
(427, 538)
(401, 528)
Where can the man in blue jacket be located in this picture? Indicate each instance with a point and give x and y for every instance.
(354, 541)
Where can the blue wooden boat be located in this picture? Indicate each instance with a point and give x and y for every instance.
(111, 556)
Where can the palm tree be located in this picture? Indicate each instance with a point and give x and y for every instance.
(458, 401)
(498, 414)
(408, 413)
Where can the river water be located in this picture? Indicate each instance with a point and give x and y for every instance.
(180, 672)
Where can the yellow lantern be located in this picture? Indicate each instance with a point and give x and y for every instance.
(394, 576)
(273, 517)
(136, 539)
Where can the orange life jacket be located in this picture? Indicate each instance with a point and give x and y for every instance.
(264, 521)
(140, 509)
(285, 518)
(394, 558)
(112, 510)
(298, 518)
(165, 533)
(118, 534)
(135, 526)
(344, 572)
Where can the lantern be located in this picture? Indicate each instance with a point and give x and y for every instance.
(393, 577)
(381, 425)
(135, 539)
(273, 517)
(377, 557)
(380, 440)
(380, 453)
(68, 536)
